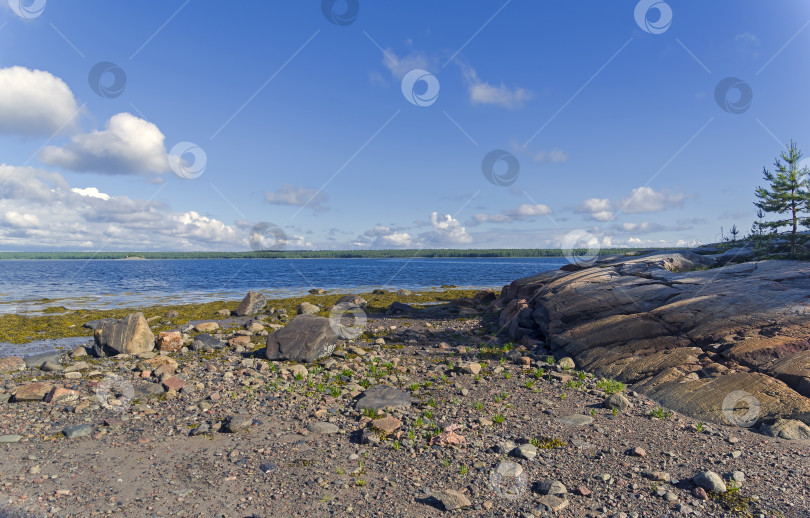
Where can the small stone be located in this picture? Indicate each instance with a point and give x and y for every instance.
(206, 327)
(582, 491)
(61, 395)
(469, 368)
(75, 432)
(700, 493)
(237, 423)
(553, 503)
(551, 487)
(617, 401)
(738, 476)
(380, 397)
(267, 467)
(78, 352)
(173, 383)
(451, 499)
(32, 392)
(710, 481)
(322, 427)
(51, 366)
(790, 429)
(567, 363)
(8, 439)
(73, 375)
(637, 452)
(525, 451)
(169, 341)
(388, 425)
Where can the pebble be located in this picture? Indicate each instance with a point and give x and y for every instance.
(451, 499)
(710, 481)
(75, 432)
(323, 428)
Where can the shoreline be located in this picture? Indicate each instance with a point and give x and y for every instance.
(481, 423)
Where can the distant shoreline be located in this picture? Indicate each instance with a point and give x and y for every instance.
(518, 253)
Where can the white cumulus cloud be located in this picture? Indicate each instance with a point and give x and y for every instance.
(647, 199)
(34, 102)
(126, 145)
(599, 209)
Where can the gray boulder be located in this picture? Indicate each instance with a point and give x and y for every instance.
(305, 339)
(307, 308)
(130, 335)
(251, 304)
(787, 429)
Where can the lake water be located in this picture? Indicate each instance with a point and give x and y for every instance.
(100, 283)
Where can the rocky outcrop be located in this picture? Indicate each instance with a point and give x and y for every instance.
(130, 335)
(727, 344)
(305, 339)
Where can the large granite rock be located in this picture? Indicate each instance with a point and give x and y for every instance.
(130, 335)
(305, 339)
(251, 304)
(727, 344)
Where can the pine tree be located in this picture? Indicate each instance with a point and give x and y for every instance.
(787, 194)
(734, 233)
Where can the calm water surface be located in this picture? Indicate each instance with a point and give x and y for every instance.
(112, 283)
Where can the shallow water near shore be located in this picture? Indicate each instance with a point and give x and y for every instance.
(30, 287)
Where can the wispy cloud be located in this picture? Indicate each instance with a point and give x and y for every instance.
(289, 194)
(482, 92)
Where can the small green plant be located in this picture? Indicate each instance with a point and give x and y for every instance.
(365, 383)
(614, 410)
(538, 373)
(428, 384)
(550, 360)
(411, 435)
(428, 414)
(529, 384)
(498, 399)
(360, 482)
(370, 412)
(498, 418)
(478, 405)
(582, 375)
(507, 375)
(660, 413)
(562, 396)
(593, 412)
(462, 470)
(431, 402)
(546, 443)
(340, 471)
(446, 463)
(413, 387)
(610, 386)
(335, 391)
(298, 376)
(419, 423)
(699, 427)
(396, 445)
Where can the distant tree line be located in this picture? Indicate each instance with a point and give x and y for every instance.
(318, 254)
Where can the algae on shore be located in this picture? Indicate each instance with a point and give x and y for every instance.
(64, 323)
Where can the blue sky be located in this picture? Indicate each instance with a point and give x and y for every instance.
(303, 124)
